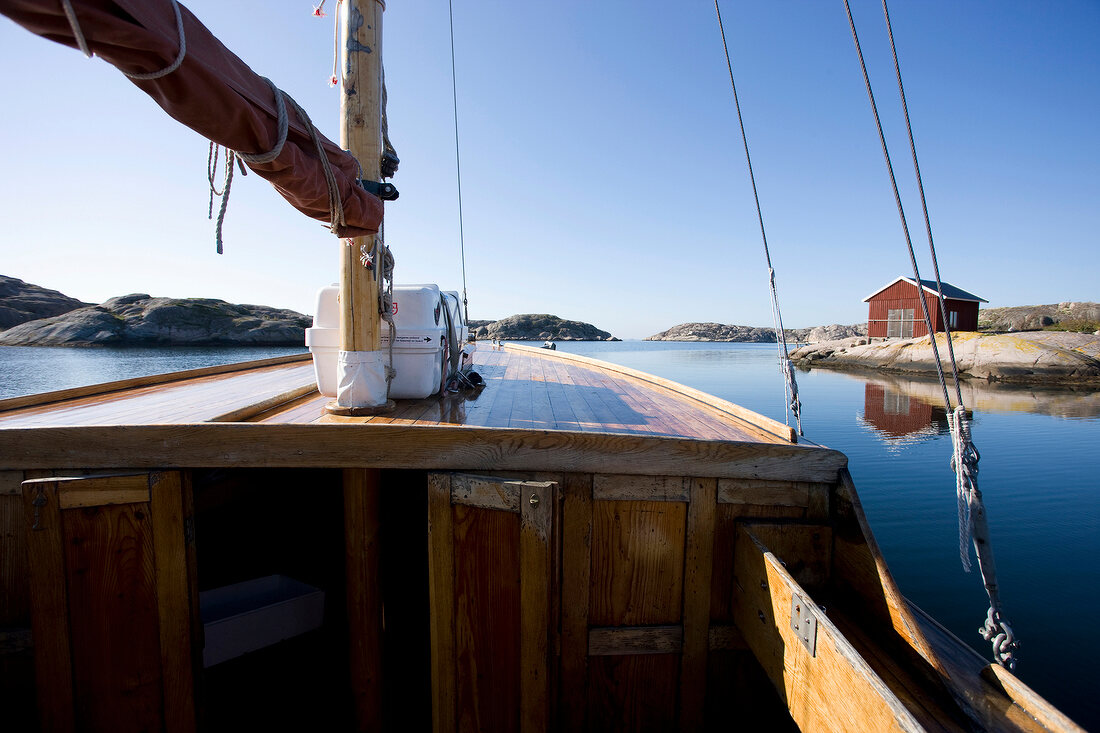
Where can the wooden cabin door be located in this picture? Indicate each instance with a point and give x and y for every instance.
(110, 602)
(491, 571)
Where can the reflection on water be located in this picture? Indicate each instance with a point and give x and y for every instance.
(991, 397)
(900, 417)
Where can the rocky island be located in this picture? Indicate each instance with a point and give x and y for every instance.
(21, 302)
(35, 316)
(538, 327)
(141, 319)
(756, 335)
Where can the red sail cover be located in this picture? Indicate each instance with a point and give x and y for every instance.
(213, 92)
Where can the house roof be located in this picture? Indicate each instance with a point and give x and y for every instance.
(950, 292)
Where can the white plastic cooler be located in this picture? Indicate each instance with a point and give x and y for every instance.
(418, 352)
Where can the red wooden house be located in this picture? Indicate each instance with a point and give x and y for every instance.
(894, 310)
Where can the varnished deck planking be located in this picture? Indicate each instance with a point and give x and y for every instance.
(192, 400)
(524, 388)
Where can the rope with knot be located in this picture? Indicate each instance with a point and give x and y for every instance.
(336, 205)
(974, 530)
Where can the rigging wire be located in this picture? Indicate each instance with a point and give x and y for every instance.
(924, 210)
(790, 385)
(973, 524)
(458, 161)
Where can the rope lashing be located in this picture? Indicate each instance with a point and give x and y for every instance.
(964, 462)
(283, 126)
(82, 42)
(78, 32)
(790, 385)
(179, 56)
(974, 531)
(335, 201)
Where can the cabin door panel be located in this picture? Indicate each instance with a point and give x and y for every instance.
(490, 567)
(111, 610)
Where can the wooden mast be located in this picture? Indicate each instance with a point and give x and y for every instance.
(360, 331)
(361, 134)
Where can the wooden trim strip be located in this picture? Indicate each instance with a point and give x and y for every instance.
(441, 575)
(766, 492)
(362, 546)
(82, 496)
(619, 488)
(486, 492)
(698, 567)
(613, 641)
(173, 601)
(615, 487)
(771, 427)
(45, 398)
(250, 411)
(535, 531)
(74, 492)
(371, 445)
(50, 619)
(576, 577)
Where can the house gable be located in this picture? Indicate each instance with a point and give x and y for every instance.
(950, 292)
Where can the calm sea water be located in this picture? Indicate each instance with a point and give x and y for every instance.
(1039, 473)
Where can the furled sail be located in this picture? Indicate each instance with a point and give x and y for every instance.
(212, 91)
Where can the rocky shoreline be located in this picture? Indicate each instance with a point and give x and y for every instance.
(1029, 357)
(757, 335)
(35, 316)
(142, 320)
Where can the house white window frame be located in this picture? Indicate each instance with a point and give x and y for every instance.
(899, 323)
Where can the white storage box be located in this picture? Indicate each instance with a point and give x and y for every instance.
(244, 617)
(417, 351)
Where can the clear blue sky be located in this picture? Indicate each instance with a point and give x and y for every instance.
(602, 167)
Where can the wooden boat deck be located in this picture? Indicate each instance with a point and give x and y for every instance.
(524, 388)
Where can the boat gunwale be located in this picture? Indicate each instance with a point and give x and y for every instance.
(389, 445)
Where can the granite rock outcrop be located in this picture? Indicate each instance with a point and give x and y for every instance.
(1026, 357)
(754, 334)
(141, 319)
(538, 327)
(22, 301)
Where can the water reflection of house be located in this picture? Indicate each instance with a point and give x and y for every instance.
(897, 414)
